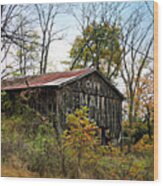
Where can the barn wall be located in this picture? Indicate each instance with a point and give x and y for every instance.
(104, 104)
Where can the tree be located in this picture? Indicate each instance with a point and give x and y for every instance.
(27, 54)
(46, 17)
(81, 140)
(100, 18)
(133, 60)
(102, 49)
(144, 101)
(9, 28)
(136, 43)
(17, 32)
(20, 30)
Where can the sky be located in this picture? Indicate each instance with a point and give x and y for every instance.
(59, 50)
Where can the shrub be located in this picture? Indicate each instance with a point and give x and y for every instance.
(81, 143)
(31, 141)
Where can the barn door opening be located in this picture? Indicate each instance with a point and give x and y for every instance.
(103, 136)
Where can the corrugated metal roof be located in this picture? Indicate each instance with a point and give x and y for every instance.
(50, 79)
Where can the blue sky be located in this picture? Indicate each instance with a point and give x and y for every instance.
(60, 49)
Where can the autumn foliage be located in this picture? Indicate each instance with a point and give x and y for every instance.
(37, 150)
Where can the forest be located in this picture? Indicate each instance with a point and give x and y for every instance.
(117, 39)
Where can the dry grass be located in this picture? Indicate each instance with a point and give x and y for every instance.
(8, 171)
(15, 168)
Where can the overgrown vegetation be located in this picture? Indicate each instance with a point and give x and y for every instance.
(31, 148)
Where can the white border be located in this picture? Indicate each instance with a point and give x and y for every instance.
(63, 182)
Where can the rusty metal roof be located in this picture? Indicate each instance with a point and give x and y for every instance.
(50, 79)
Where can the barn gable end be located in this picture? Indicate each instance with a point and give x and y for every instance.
(103, 100)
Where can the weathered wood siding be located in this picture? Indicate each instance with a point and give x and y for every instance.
(105, 106)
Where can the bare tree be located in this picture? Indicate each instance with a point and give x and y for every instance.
(46, 17)
(27, 52)
(14, 18)
(137, 45)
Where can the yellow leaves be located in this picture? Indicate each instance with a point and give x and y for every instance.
(144, 144)
(144, 99)
(98, 43)
(80, 139)
(89, 29)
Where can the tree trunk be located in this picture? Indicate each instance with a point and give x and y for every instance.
(79, 163)
(131, 107)
(148, 123)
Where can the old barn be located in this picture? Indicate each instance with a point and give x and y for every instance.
(56, 94)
